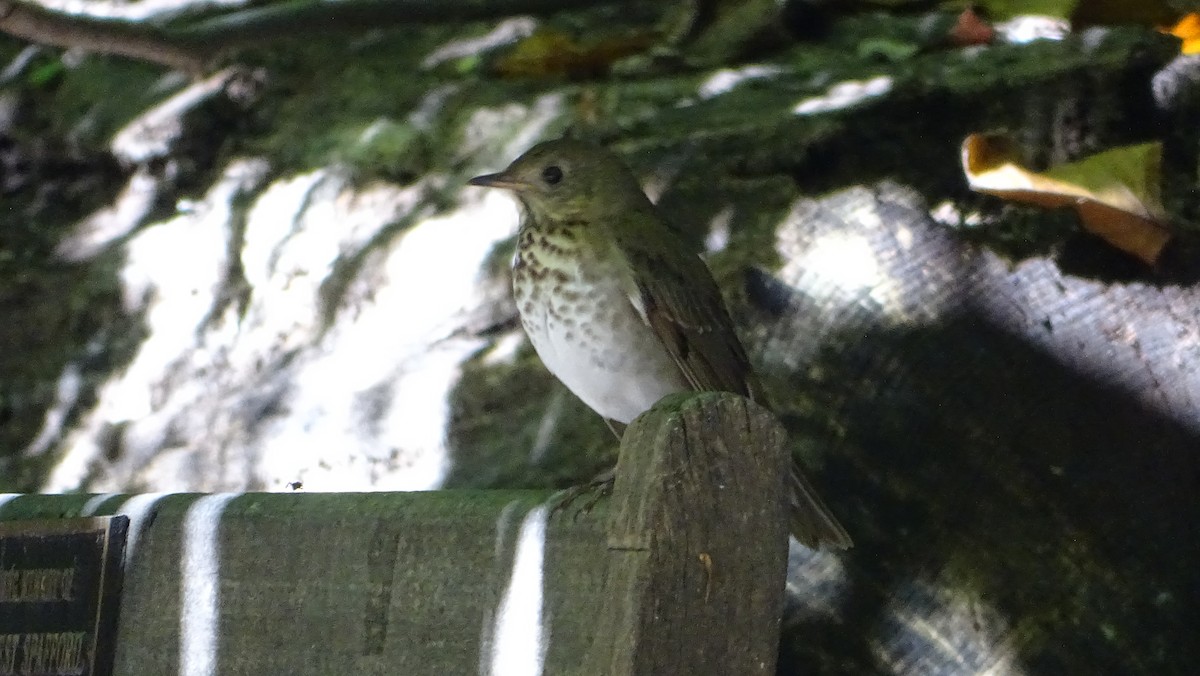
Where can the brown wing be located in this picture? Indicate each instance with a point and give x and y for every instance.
(682, 304)
(695, 326)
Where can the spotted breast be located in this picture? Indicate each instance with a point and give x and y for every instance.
(584, 324)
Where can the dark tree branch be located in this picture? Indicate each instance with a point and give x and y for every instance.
(193, 47)
(105, 36)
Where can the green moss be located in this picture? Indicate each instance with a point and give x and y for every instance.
(314, 507)
(329, 103)
(62, 311)
(57, 309)
(88, 101)
(384, 149)
(1005, 9)
(514, 425)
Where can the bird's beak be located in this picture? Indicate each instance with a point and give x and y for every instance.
(500, 180)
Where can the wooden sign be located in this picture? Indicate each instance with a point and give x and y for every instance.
(60, 586)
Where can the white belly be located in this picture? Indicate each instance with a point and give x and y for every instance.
(595, 362)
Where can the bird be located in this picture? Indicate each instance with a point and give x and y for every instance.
(619, 308)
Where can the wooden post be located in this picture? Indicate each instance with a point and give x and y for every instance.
(687, 578)
(697, 542)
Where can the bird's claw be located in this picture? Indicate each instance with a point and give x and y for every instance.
(595, 490)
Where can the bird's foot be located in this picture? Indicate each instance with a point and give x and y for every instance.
(592, 491)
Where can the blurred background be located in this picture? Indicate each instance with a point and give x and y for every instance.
(237, 254)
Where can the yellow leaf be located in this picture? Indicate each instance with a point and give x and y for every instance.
(554, 54)
(1188, 30)
(1116, 192)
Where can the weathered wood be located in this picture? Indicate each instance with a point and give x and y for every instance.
(697, 543)
(688, 577)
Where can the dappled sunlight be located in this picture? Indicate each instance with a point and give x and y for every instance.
(718, 230)
(200, 593)
(1029, 27)
(93, 504)
(503, 351)
(101, 229)
(174, 270)
(953, 215)
(860, 261)
(508, 131)
(314, 335)
(506, 31)
(373, 394)
(842, 269)
(66, 397)
(845, 95)
(548, 426)
(954, 632)
(153, 133)
(1101, 319)
(845, 264)
(818, 584)
(288, 248)
(138, 508)
(519, 635)
(142, 9)
(727, 79)
(243, 255)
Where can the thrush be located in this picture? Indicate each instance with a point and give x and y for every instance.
(618, 307)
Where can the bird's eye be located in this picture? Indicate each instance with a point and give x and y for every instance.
(552, 174)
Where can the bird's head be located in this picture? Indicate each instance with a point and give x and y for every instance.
(569, 180)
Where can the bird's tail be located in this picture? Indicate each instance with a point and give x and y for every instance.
(811, 521)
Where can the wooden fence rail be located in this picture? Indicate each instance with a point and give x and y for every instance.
(680, 572)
